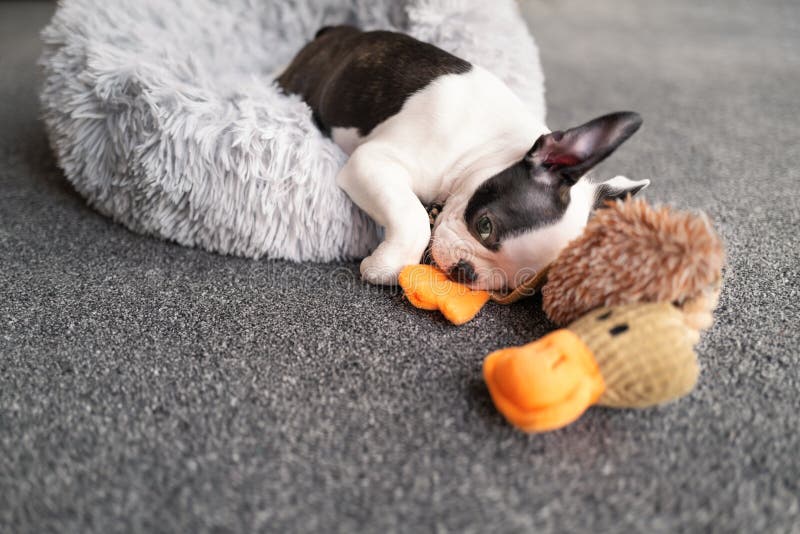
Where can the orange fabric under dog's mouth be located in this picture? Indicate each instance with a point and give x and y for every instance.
(428, 288)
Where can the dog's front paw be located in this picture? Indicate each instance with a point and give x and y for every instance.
(383, 266)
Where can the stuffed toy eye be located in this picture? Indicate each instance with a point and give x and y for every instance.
(484, 228)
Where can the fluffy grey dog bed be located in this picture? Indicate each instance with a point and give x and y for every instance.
(165, 117)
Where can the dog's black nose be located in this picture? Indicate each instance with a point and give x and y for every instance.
(463, 272)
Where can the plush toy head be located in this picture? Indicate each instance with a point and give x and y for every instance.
(631, 252)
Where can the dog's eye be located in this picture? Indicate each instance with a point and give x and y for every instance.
(484, 227)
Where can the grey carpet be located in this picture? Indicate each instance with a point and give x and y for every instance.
(148, 387)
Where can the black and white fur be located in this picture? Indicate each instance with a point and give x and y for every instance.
(423, 126)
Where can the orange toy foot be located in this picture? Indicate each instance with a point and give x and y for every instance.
(546, 384)
(428, 288)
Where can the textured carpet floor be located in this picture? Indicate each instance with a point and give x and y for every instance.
(147, 387)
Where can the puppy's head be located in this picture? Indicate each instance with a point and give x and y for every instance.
(516, 222)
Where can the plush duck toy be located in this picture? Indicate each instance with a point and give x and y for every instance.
(631, 356)
(637, 286)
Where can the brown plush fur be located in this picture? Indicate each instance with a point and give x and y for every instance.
(632, 252)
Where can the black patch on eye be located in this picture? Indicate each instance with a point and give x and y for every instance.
(605, 316)
(519, 199)
(355, 79)
(619, 329)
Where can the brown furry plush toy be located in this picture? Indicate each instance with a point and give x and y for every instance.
(631, 252)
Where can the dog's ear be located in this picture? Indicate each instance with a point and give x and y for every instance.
(573, 152)
(617, 188)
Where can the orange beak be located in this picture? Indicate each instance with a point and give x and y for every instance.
(546, 384)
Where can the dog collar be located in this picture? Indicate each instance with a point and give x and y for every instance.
(433, 211)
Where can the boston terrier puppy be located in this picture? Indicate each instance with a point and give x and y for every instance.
(423, 126)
